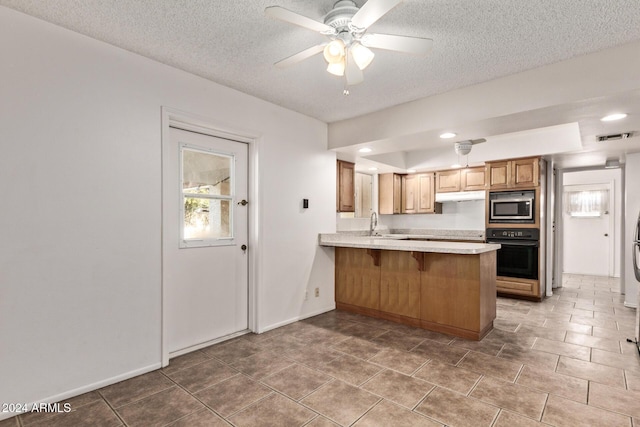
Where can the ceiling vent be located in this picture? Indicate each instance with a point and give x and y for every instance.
(614, 136)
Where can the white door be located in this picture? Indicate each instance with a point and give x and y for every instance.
(588, 234)
(205, 228)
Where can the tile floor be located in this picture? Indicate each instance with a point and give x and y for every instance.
(562, 362)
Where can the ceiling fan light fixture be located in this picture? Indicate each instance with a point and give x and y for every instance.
(334, 52)
(337, 68)
(362, 55)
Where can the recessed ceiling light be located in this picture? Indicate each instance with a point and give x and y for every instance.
(456, 166)
(373, 169)
(365, 150)
(612, 117)
(447, 135)
(411, 170)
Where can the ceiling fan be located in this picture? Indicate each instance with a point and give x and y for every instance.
(463, 148)
(347, 51)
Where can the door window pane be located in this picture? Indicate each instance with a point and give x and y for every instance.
(207, 197)
(206, 173)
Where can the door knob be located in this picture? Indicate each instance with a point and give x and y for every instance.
(606, 234)
(243, 202)
(243, 247)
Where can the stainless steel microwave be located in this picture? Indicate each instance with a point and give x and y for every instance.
(508, 207)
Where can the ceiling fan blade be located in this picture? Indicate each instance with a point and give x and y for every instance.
(286, 15)
(478, 141)
(405, 44)
(371, 11)
(352, 73)
(300, 56)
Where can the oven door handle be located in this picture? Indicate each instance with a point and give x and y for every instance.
(515, 243)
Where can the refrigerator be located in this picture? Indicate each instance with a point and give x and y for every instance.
(632, 236)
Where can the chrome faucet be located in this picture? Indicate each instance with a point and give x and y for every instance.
(374, 223)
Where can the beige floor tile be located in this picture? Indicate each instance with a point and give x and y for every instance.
(401, 389)
(542, 332)
(591, 371)
(567, 413)
(357, 347)
(274, 410)
(491, 366)
(386, 414)
(136, 388)
(10, 422)
(398, 340)
(448, 376)
(633, 380)
(529, 357)
(203, 418)
(398, 360)
(510, 419)
(351, 369)
(563, 349)
(602, 323)
(365, 331)
(185, 361)
(159, 409)
(455, 409)
(625, 402)
(627, 361)
(262, 364)
(232, 350)
(203, 375)
(296, 381)
(594, 342)
(313, 356)
(550, 382)
(341, 402)
(282, 345)
(441, 352)
(567, 326)
(516, 398)
(233, 395)
(489, 345)
(321, 421)
(96, 413)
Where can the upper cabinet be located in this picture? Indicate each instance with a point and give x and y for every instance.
(389, 193)
(345, 187)
(418, 194)
(468, 179)
(513, 173)
(448, 181)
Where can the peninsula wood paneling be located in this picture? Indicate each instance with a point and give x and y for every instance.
(357, 278)
(399, 284)
(458, 293)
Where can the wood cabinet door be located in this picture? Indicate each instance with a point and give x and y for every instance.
(389, 194)
(472, 179)
(409, 194)
(448, 181)
(357, 278)
(497, 174)
(525, 172)
(346, 187)
(426, 193)
(399, 284)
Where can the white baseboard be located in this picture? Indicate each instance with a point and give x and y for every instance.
(87, 388)
(297, 318)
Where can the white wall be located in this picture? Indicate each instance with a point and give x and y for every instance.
(632, 208)
(574, 233)
(80, 180)
(467, 215)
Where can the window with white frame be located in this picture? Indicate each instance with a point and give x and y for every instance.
(207, 195)
(586, 201)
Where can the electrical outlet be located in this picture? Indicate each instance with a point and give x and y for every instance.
(317, 292)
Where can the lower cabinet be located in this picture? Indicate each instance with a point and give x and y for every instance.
(521, 287)
(450, 293)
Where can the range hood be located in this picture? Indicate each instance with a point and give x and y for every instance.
(460, 196)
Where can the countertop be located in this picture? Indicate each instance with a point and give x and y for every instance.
(394, 242)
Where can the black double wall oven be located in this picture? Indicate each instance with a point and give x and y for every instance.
(519, 254)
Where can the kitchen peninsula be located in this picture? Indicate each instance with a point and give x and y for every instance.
(442, 286)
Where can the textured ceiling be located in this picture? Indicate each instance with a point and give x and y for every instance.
(233, 43)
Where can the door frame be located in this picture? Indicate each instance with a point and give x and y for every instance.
(558, 246)
(205, 125)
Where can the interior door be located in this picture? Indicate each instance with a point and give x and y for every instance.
(205, 230)
(588, 240)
